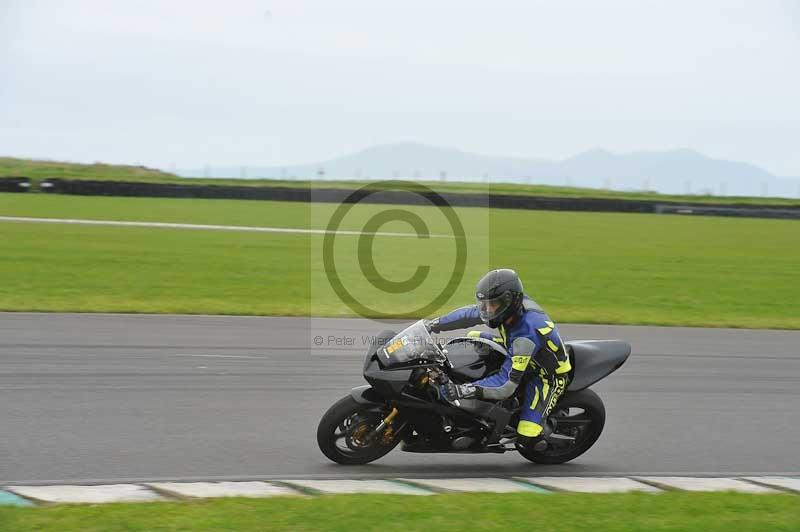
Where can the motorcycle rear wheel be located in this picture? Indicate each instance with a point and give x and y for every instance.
(342, 430)
(580, 415)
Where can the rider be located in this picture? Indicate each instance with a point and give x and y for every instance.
(533, 345)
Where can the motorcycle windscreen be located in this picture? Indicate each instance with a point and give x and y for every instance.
(413, 343)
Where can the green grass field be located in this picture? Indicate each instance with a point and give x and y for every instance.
(583, 267)
(38, 170)
(706, 512)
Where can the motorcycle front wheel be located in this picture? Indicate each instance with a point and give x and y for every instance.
(343, 430)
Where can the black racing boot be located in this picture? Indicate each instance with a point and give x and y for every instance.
(537, 443)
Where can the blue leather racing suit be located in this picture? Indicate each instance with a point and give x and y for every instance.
(536, 352)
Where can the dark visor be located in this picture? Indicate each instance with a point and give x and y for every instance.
(492, 308)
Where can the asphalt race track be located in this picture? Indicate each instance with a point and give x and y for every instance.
(141, 397)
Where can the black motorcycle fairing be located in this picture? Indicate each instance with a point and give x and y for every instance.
(386, 382)
(593, 360)
(471, 359)
(381, 339)
(474, 358)
(367, 395)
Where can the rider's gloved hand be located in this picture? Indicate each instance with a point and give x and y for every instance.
(432, 325)
(474, 334)
(453, 392)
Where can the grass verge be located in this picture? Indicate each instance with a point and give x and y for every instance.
(707, 512)
(583, 267)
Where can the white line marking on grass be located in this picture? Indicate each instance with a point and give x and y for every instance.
(119, 223)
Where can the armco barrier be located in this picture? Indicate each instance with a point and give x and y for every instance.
(720, 210)
(123, 188)
(166, 190)
(14, 184)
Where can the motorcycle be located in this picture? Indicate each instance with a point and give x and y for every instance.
(401, 402)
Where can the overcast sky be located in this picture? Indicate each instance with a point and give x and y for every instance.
(186, 83)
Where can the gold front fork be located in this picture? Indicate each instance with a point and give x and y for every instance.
(388, 420)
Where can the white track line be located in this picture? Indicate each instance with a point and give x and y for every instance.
(152, 491)
(364, 476)
(119, 223)
(788, 483)
(87, 494)
(705, 484)
(591, 484)
(486, 485)
(222, 489)
(358, 486)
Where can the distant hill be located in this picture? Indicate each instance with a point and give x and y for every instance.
(41, 169)
(667, 172)
(404, 160)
